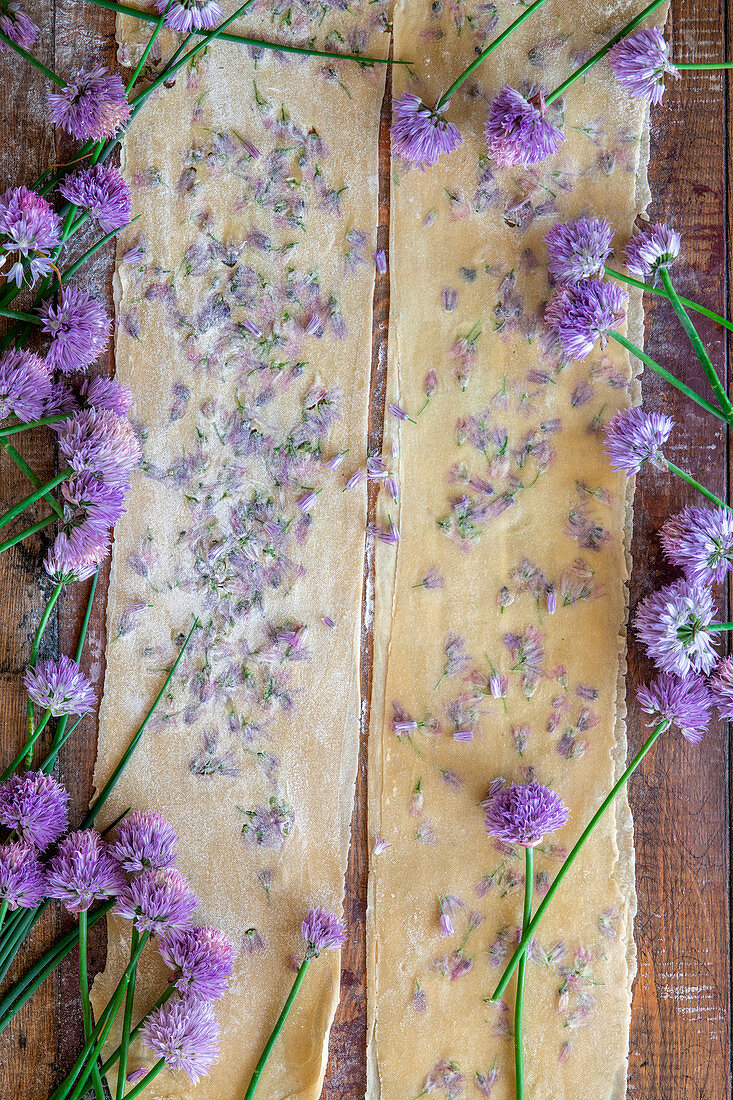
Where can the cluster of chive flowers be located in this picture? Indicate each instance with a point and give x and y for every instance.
(584, 307)
(519, 131)
(135, 868)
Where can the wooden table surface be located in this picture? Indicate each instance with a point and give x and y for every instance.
(680, 1035)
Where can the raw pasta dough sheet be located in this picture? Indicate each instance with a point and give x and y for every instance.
(244, 330)
(506, 496)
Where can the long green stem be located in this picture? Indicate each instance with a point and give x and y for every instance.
(691, 66)
(697, 345)
(656, 290)
(26, 502)
(696, 485)
(485, 53)
(35, 648)
(86, 1009)
(27, 748)
(60, 736)
(33, 61)
(16, 315)
(720, 626)
(106, 791)
(521, 973)
(165, 996)
(255, 1079)
(33, 530)
(127, 1022)
(26, 986)
(3, 913)
(148, 17)
(143, 1084)
(562, 88)
(663, 373)
(48, 764)
(25, 469)
(531, 928)
(13, 429)
(151, 41)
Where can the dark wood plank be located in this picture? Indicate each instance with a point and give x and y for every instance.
(680, 1044)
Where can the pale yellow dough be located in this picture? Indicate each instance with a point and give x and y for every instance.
(316, 741)
(445, 234)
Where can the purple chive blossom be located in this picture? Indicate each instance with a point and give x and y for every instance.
(106, 393)
(25, 385)
(684, 701)
(98, 442)
(721, 688)
(314, 326)
(29, 230)
(523, 813)
(448, 906)
(335, 461)
(399, 413)
(83, 871)
(356, 478)
(144, 841)
(328, 621)
(78, 327)
(63, 566)
(22, 878)
(250, 327)
(639, 63)
(102, 191)
(446, 1076)
(185, 1034)
(421, 134)
(36, 807)
(321, 930)
(700, 542)
(92, 106)
(584, 313)
(578, 249)
(186, 15)
(60, 686)
(134, 255)
(633, 437)
(485, 1081)
(551, 599)
(517, 132)
(203, 960)
(19, 27)
(307, 500)
(380, 845)
(673, 626)
(90, 508)
(655, 247)
(61, 400)
(376, 468)
(380, 261)
(160, 900)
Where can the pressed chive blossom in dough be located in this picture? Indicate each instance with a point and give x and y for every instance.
(25, 385)
(92, 106)
(103, 192)
(78, 327)
(685, 701)
(22, 878)
(99, 442)
(673, 626)
(29, 232)
(202, 960)
(36, 807)
(654, 247)
(144, 841)
(419, 133)
(321, 931)
(60, 686)
(161, 901)
(518, 133)
(578, 249)
(186, 15)
(721, 688)
(17, 25)
(523, 813)
(83, 871)
(640, 62)
(633, 437)
(700, 542)
(584, 313)
(185, 1034)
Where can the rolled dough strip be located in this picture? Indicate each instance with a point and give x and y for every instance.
(244, 332)
(505, 493)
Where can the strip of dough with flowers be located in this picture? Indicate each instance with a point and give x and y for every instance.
(244, 332)
(499, 623)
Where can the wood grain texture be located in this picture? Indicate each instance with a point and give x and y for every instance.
(680, 1043)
